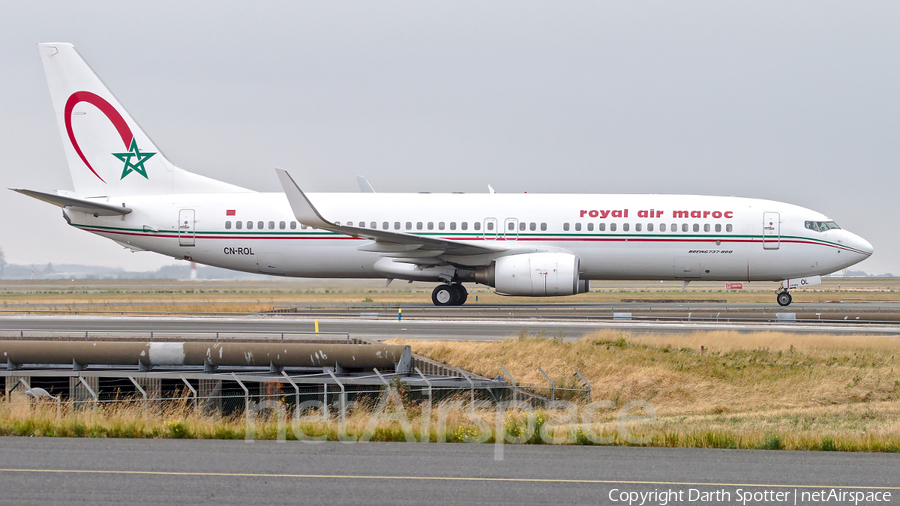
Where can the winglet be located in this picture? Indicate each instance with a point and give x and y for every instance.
(303, 209)
(364, 185)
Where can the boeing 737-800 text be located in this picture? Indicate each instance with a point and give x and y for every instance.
(521, 244)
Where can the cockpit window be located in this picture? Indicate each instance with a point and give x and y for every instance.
(822, 226)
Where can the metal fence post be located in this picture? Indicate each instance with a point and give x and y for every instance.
(430, 397)
(246, 395)
(471, 385)
(386, 383)
(586, 384)
(296, 392)
(141, 390)
(508, 375)
(343, 395)
(552, 385)
(89, 389)
(193, 392)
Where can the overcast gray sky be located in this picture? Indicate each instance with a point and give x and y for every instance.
(791, 101)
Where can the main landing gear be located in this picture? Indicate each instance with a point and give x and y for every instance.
(784, 298)
(449, 295)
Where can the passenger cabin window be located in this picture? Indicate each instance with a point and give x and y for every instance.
(706, 227)
(476, 225)
(565, 227)
(728, 227)
(430, 225)
(578, 227)
(440, 225)
(293, 225)
(490, 225)
(408, 225)
(452, 225)
(419, 225)
(532, 226)
(511, 226)
(601, 227)
(684, 227)
(625, 227)
(662, 227)
(637, 227)
(649, 227)
(544, 227)
(696, 227)
(228, 225)
(396, 225)
(271, 225)
(612, 227)
(590, 227)
(238, 224)
(385, 225)
(522, 226)
(249, 225)
(718, 227)
(259, 225)
(282, 225)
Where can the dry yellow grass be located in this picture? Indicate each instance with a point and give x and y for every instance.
(804, 387)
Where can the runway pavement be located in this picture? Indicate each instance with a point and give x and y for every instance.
(381, 328)
(121, 471)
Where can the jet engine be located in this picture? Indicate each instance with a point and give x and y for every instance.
(534, 274)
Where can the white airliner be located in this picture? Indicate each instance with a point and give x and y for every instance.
(520, 244)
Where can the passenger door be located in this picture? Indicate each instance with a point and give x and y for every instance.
(771, 230)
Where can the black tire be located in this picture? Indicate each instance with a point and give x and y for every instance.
(444, 295)
(784, 299)
(463, 294)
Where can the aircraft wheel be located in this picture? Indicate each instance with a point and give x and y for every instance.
(463, 294)
(444, 295)
(784, 299)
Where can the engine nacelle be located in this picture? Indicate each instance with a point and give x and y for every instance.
(534, 274)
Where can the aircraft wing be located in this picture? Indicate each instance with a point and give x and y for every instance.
(403, 247)
(76, 204)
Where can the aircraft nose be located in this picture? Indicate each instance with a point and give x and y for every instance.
(864, 246)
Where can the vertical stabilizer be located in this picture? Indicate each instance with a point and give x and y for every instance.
(108, 153)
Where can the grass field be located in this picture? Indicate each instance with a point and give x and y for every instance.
(796, 391)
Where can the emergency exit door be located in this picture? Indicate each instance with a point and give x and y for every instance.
(771, 230)
(186, 227)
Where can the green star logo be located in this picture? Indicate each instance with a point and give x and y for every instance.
(135, 165)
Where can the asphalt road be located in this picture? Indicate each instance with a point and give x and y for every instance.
(121, 471)
(373, 328)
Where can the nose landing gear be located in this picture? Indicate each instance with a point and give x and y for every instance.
(449, 295)
(784, 298)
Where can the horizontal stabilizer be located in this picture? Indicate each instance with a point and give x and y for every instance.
(75, 204)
